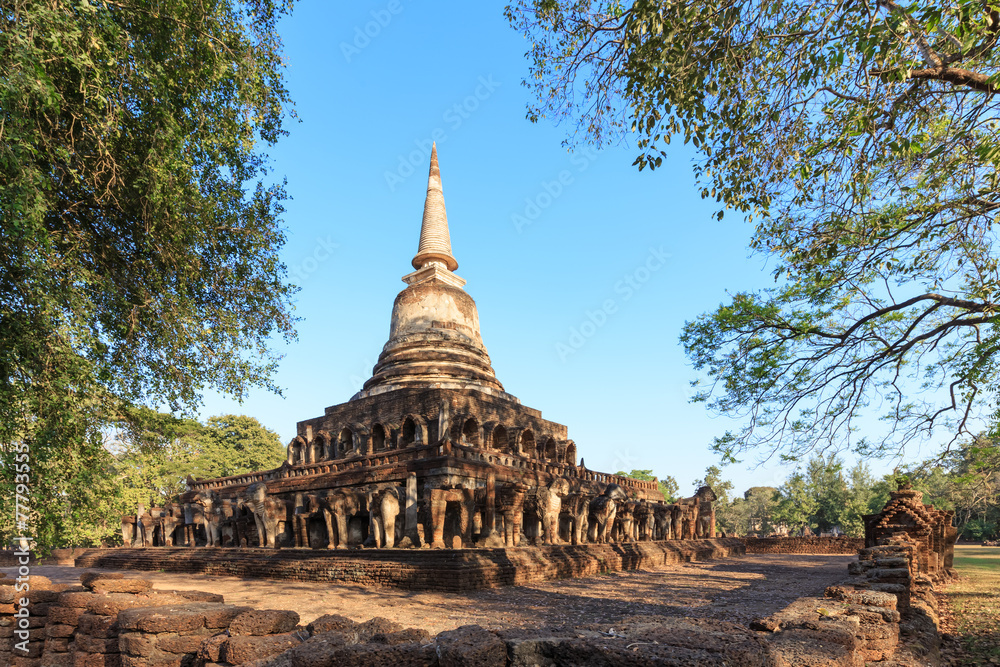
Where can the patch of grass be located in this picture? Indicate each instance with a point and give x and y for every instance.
(975, 599)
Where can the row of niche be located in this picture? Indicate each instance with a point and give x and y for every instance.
(358, 440)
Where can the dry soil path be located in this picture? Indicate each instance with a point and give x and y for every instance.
(733, 589)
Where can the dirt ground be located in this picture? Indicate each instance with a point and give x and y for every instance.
(733, 589)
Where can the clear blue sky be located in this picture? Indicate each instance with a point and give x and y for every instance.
(357, 166)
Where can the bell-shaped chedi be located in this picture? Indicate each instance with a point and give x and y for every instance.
(434, 340)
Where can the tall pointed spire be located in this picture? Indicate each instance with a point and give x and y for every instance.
(435, 241)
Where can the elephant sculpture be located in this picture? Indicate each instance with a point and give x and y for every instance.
(206, 513)
(338, 507)
(145, 526)
(227, 523)
(267, 511)
(384, 510)
(603, 509)
(705, 521)
(463, 503)
(575, 508)
(663, 521)
(624, 524)
(642, 521)
(171, 516)
(306, 506)
(546, 503)
(510, 511)
(685, 524)
(129, 530)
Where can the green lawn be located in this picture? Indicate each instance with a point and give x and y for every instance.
(975, 598)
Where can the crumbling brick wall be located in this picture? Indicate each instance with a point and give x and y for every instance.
(803, 545)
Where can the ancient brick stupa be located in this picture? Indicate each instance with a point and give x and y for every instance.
(433, 431)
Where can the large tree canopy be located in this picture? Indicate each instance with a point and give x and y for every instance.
(155, 453)
(140, 225)
(862, 140)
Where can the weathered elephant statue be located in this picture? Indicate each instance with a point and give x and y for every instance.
(145, 527)
(547, 504)
(510, 511)
(603, 509)
(642, 518)
(463, 501)
(171, 516)
(338, 507)
(677, 521)
(206, 513)
(686, 524)
(575, 508)
(267, 512)
(663, 521)
(305, 507)
(384, 508)
(129, 532)
(705, 521)
(227, 523)
(624, 522)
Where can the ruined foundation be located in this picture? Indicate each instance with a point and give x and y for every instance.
(424, 569)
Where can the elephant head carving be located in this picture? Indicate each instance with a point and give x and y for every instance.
(603, 510)
(208, 515)
(338, 507)
(267, 512)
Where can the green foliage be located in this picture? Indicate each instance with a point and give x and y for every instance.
(236, 444)
(668, 485)
(669, 489)
(966, 481)
(754, 512)
(862, 139)
(140, 229)
(157, 452)
(713, 478)
(820, 497)
(797, 506)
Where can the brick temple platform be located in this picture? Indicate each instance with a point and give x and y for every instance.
(417, 569)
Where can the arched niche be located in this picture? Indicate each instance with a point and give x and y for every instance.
(380, 438)
(470, 432)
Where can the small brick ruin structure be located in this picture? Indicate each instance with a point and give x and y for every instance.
(432, 452)
(906, 521)
(890, 593)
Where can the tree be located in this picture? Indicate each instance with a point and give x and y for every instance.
(861, 138)
(713, 478)
(140, 231)
(753, 513)
(236, 444)
(797, 505)
(825, 482)
(156, 453)
(862, 498)
(967, 481)
(668, 485)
